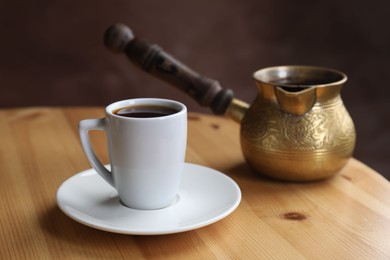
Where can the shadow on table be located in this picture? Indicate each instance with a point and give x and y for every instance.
(244, 172)
(85, 241)
(271, 198)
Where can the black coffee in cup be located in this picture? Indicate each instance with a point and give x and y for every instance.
(145, 111)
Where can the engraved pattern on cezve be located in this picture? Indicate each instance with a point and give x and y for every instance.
(326, 127)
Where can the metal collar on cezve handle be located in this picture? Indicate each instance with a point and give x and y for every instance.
(151, 58)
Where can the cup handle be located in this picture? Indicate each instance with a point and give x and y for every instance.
(84, 127)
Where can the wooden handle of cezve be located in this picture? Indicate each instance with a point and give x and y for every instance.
(151, 58)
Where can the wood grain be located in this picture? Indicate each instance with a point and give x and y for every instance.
(345, 217)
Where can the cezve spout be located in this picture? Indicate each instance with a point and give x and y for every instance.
(296, 102)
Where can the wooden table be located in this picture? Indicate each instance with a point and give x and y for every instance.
(345, 217)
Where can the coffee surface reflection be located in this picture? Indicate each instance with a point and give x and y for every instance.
(145, 111)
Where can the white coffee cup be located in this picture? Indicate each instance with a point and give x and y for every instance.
(146, 154)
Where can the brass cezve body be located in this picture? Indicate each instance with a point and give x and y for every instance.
(298, 128)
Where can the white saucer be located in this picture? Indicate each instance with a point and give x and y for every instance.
(205, 197)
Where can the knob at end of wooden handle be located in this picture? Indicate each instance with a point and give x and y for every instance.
(221, 101)
(117, 37)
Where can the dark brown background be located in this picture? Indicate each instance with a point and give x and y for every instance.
(51, 52)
